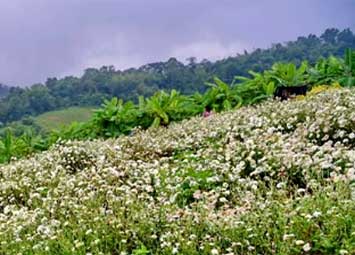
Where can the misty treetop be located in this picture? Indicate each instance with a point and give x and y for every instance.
(96, 85)
(4, 90)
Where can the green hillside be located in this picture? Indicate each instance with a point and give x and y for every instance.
(56, 119)
(274, 178)
(95, 85)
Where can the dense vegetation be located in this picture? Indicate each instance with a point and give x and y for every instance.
(117, 117)
(48, 121)
(4, 90)
(268, 169)
(104, 83)
(275, 178)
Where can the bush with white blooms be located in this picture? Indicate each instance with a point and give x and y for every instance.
(275, 178)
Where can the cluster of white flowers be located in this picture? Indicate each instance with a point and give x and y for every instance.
(220, 185)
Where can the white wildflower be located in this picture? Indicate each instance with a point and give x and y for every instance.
(214, 251)
(307, 247)
(299, 242)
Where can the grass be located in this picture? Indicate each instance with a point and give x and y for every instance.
(55, 119)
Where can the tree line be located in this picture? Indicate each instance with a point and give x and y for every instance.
(4, 90)
(96, 85)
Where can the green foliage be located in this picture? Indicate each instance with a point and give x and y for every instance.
(221, 96)
(141, 251)
(55, 119)
(326, 71)
(15, 147)
(7, 147)
(195, 181)
(257, 88)
(288, 75)
(76, 130)
(18, 128)
(159, 106)
(116, 117)
(349, 77)
(4, 90)
(332, 70)
(96, 85)
(350, 59)
(31, 143)
(162, 108)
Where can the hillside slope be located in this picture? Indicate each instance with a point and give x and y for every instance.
(271, 179)
(55, 119)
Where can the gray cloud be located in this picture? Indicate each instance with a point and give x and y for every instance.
(44, 38)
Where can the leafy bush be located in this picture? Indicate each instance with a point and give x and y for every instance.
(221, 96)
(326, 71)
(349, 76)
(115, 118)
(288, 75)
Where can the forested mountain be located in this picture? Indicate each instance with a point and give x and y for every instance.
(106, 82)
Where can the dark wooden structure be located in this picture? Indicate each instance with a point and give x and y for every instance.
(288, 92)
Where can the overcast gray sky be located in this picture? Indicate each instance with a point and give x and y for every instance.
(54, 38)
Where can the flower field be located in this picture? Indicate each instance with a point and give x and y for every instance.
(274, 178)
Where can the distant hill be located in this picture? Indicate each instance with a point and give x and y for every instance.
(106, 82)
(55, 119)
(49, 121)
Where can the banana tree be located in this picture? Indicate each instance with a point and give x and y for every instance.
(289, 79)
(288, 75)
(162, 108)
(197, 103)
(326, 71)
(30, 143)
(256, 88)
(8, 147)
(349, 71)
(76, 131)
(115, 118)
(221, 96)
